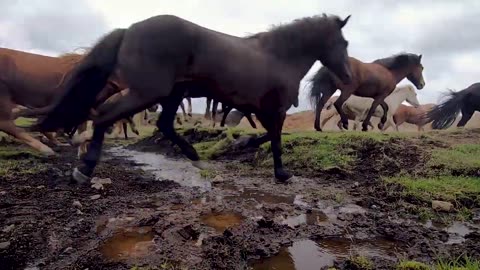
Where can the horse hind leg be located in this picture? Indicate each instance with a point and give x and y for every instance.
(338, 105)
(326, 94)
(467, 114)
(214, 112)
(10, 128)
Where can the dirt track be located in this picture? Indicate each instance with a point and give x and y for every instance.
(231, 217)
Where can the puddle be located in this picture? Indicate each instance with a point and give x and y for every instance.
(262, 196)
(310, 255)
(315, 217)
(163, 168)
(221, 221)
(457, 231)
(128, 243)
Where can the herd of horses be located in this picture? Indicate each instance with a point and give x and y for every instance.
(165, 59)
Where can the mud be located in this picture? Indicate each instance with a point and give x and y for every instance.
(160, 211)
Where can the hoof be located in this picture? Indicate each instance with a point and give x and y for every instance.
(79, 177)
(345, 126)
(48, 152)
(63, 144)
(380, 126)
(283, 176)
(202, 165)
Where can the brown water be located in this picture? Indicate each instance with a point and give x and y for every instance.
(310, 255)
(262, 196)
(314, 217)
(222, 221)
(128, 243)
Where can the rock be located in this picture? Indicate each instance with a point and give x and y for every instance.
(356, 184)
(97, 186)
(103, 181)
(3, 192)
(442, 206)
(68, 250)
(41, 187)
(79, 212)
(218, 179)
(77, 204)
(95, 197)
(4, 245)
(8, 228)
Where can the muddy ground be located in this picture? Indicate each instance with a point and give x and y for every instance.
(157, 211)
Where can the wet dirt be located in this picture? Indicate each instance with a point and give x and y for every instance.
(159, 210)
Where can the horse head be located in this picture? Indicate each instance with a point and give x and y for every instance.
(416, 71)
(412, 96)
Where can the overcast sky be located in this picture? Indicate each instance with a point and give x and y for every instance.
(444, 31)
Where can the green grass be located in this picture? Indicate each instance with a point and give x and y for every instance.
(361, 262)
(462, 157)
(463, 263)
(447, 188)
(412, 265)
(16, 161)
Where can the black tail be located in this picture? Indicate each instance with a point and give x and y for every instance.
(88, 78)
(322, 83)
(443, 115)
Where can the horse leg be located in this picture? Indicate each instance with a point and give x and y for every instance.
(250, 120)
(214, 112)
(273, 123)
(372, 109)
(207, 115)
(467, 113)
(189, 100)
(108, 114)
(10, 128)
(165, 125)
(125, 131)
(385, 115)
(133, 126)
(183, 111)
(225, 110)
(51, 137)
(338, 105)
(318, 109)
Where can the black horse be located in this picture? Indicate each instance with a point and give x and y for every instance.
(258, 74)
(466, 101)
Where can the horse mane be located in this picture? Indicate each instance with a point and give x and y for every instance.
(296, 34)
(398, 60)
(71, 59)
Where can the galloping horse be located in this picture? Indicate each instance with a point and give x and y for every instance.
(258, 74)
(467, 101)
(376, 80)
(412, 115)
(359, 106)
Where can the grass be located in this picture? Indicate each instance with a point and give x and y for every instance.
(361, 262)
(463, 263)
(412, 265)
(15, 161)
(447, 188)
(462, 157)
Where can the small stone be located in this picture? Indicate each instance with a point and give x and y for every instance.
(218, 178)
(97, 186)
(41, 187)
(3, 192)
(374, 206)
(77, 204)
(103, 181)
(8, 228)
(356, 184)
(79, 212)
(4, 245)
(95, 197)
(68, 250)
(442, 206)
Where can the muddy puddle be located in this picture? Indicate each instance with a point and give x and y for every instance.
(128, 243)
(456, 231)
(222, 221)
(313, 217)
(314, 255)
(163, 168)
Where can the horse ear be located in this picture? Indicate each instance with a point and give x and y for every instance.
(342, 23)
(419, 58)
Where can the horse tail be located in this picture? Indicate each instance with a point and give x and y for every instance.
(322, 82)
(443, 115)
(88, 78)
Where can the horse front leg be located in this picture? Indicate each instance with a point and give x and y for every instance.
(225, 110)
(273, 123)
(183, 111)
(384, 116)
(207, 115)
(339, 104)
(214, 112)
(371, 111)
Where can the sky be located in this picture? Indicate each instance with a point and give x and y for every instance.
(445, 32)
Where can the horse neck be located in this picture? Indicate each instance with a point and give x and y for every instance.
(400, 73)
(395, 99)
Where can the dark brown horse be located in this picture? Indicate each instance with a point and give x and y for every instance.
(466, 101)
(258, 74)
(376, 80)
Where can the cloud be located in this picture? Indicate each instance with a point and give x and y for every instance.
(54, 26)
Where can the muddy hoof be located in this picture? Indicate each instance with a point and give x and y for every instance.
(79, 177)
(364, 128)
(345, 126)
(282, 176)
(380, 126)
(318, 129)
(202, 165)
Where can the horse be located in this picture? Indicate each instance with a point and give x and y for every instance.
(466, 101)
(359, 106)
(376, 80)
(259, 73)
(412, 115)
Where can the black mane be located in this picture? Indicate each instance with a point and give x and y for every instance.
(398, 60)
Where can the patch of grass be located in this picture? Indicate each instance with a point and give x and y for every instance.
(16, 160)
(461, 158)
(412, 265)
(425, 214)
(208, 174)
(447, 188)
(208, 150)
(464, 263)
(361, 262)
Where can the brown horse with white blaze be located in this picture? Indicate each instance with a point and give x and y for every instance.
(259, 74)
(375, 80)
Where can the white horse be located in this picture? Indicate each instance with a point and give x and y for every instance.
(357, 107)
